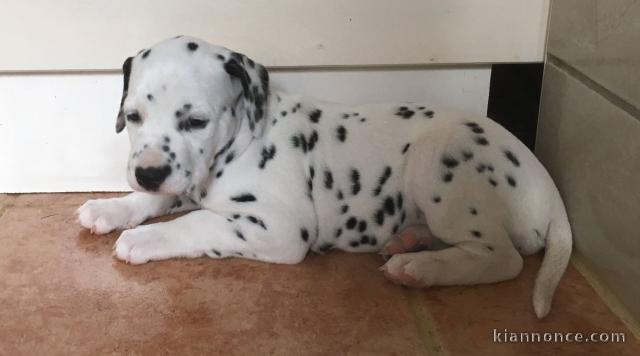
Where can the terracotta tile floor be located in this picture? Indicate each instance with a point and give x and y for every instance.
(61, 292)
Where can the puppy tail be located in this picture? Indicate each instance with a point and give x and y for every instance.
(556, 258)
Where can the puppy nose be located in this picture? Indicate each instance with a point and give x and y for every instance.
(151, 178)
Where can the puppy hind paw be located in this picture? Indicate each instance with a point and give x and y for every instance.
(411, 239)
(400, 270)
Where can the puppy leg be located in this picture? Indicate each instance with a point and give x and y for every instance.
(205, 233)
(105, 215)
(474, 260)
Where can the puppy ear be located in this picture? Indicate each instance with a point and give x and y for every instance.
(126, 70)
(255, 88)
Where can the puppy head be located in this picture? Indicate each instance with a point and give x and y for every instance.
(182, 99)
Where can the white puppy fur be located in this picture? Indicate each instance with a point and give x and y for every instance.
(275, 175)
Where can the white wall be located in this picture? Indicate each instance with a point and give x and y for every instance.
(57, 130)
(99, 34)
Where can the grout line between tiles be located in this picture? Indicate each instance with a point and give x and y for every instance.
(600, 89)
(425, 324)
(607, 296)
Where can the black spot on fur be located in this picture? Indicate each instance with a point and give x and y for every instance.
(314, 116)
(429, 114)
(354, 243)
(362, 226)
(268, 153)
(510, 180)
(328, 179)
(145, 54)
(309, 187)
(283, 113)
(192, 46)
(473, 211)
(257, 221)
(511, 157)
(405, 148)
(395, 229)
(351, 223)
(477, 234)
(405, 114)
(344, 208)
(338, 233)
(364, 239)
(149, 97)
(216, 252)
(467, 155)
(300, 141)
(325, 247)
(490, 248)
(436, 199)
(355, 182)
(382, 180)
(389, 206)
(447, 177)
(304, 234)
(339, 195)
(449, 161)
(341, 133)
(493, 182)
(224, 149)
(240, 235)
(313, 139)
(481, 168)
(244, 198)
(399, 201)
(379, 217)
(481, 140)
(229, 157)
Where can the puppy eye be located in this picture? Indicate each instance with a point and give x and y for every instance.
(133, 117)
(194, 123)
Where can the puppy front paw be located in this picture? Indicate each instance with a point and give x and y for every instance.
(151, 243)
(102, 216)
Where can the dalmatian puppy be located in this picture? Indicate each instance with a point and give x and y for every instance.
(269, 176)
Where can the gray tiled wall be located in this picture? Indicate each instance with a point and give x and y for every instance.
(589, 133)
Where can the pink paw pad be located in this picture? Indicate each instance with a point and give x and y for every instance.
(411, 239)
